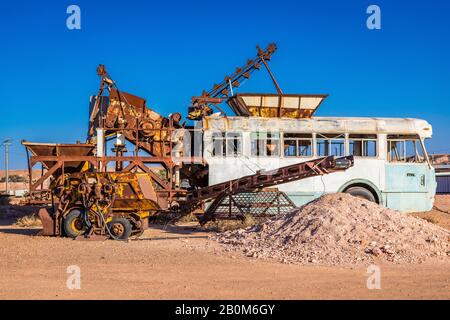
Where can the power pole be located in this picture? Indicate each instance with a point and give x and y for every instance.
(6, 143)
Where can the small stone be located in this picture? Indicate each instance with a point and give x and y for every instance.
(373, 251)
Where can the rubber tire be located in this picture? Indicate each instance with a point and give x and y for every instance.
(361, 192)
(69, 231)
(126, 226)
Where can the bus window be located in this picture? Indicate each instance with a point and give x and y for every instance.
(297, 145)
(404, 149)
(414, 151)
(234, 143)
(257, 142)
(265, 144)
(273, 144)
(363, 145)
(218, 142)
(330, 145)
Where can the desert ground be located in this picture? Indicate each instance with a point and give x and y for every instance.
(180, 262)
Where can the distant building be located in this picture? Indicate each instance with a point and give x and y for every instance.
(441, 163)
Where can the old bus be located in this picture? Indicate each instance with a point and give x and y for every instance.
(391, 163)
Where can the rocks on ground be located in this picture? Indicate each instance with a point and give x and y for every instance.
(339, 229)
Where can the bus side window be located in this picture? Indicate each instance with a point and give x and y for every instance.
(218, 143)
(257, 144)
(234, 143)
(273, 144)
(265, 144)
(405, 149)
(414, 152)
(330, 145)
(322, 147)
(297, 145)
(363, 145)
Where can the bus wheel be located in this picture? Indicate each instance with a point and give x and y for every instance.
(361, 192)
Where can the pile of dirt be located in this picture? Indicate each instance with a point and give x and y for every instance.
(339, 229)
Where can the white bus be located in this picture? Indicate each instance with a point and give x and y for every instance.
(391, 163)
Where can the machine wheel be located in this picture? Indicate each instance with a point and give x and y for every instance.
(361, 192)
(74, 224)
(120, 228)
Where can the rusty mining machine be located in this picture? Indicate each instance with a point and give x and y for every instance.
(87, 193)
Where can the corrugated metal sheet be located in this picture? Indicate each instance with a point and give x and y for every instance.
(443, 184)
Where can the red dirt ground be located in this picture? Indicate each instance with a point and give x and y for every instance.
(177, 262)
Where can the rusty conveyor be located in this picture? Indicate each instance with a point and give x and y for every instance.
(264, 179)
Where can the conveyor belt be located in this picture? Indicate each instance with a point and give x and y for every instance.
(264, 179)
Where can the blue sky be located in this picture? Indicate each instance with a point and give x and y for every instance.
(168, 51)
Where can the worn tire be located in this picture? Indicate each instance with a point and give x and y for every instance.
(73, 223)
(121, 228)
(361, 192)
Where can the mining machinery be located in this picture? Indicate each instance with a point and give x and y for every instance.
(87, 192)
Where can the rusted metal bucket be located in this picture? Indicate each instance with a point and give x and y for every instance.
(56, 149)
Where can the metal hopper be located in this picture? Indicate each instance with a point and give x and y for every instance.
(43, 150)
(276, 105)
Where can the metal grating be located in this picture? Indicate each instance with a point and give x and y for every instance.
(257, 204)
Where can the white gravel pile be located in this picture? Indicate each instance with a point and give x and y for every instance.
(339, 229)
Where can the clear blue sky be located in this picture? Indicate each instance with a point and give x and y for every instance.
(168, 51)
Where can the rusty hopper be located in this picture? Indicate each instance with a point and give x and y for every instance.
(276, 105)
(43, 150)
(56, 159)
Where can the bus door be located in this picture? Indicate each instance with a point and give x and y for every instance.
(409, 179)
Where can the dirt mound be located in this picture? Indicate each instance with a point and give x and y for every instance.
(339, 229)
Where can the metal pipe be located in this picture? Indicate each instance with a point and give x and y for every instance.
(7, 169)
(6, 143)
(272, 76)
(442, 174)
(100, 145)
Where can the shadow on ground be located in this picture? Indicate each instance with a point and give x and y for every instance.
(185, 232)
(21, 231)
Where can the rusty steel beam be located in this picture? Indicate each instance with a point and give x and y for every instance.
(270, 178)
(153, 175)
(47, 175)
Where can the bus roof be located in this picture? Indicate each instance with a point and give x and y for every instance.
(360, 125)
